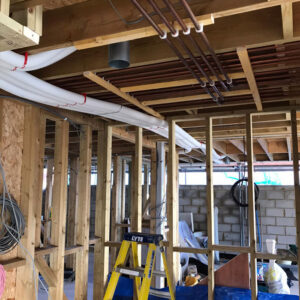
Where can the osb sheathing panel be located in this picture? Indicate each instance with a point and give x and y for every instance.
(11, 149)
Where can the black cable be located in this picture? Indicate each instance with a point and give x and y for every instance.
(236, 185)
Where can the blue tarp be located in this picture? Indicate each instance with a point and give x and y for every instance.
(124, 291)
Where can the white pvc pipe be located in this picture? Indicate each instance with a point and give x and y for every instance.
(14, 61)
(27, 86)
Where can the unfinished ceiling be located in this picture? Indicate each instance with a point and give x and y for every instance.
(257, 43)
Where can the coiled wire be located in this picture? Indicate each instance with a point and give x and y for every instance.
(13, 223)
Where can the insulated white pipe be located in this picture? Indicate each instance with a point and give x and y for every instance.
(14, 61)
(27, 86)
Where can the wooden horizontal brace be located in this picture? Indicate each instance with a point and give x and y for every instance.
(133, 34)
(94, 240)
(73, 249)
(228, 248)
(93, 77)
(175, 83)
(13, 263)
(275, 256)
(190, 250)
(194, 98)
(230, 113)
(44, 251)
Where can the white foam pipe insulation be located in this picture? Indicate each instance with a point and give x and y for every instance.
(27, 86)
(13, 61)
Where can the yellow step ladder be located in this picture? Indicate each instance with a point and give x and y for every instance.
(142, 276)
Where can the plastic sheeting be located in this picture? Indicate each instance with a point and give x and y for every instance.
(124, 291)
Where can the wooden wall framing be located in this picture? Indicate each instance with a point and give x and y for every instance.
(33, 164)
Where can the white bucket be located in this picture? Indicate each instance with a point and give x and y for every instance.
(271, 246)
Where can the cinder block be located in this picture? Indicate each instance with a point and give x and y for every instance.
(281, 246)
(286, 239)
(199, 217)
(221, 194)
(290, 212)
(267, 203)
(185, 201)
(290, 230)
(180, 208)
(289, 195)
(198, 202)
(229, 202)
(192, 209)
(275, 212)
(285, 221)
(190, 193)
(235, 228)
(231, 236)
(276, 230)
(227, 243)
(224, 227)
(203, 210)
(285, 204)
(268, 221)
(231, 220)
(275, 195)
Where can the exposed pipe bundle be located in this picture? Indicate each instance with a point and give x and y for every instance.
(215, 93)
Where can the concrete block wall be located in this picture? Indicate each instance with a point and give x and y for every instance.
(277, 213)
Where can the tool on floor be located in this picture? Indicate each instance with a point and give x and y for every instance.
(142, 275)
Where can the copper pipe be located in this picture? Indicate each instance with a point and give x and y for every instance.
(186, 48)
(174, 48)
(194, 42)
(206, 42)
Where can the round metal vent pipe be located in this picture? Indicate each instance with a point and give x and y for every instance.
(118, 55)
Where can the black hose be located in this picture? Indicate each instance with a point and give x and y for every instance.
(233, 188)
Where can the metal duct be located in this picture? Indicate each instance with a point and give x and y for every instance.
(118, 55)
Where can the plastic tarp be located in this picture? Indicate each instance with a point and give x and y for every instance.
(124, 291)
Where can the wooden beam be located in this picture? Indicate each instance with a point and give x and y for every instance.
(93, 77)
(153, 177)
(48, 200)
(59, 205)
(136, 201)
(175, 83)
(46, 271)
(264, 144)
(287, 20)
(295, 147)
(115, 206)
(194, 97)
(38, 206)
(102, 213)
(222, 148)
(289, 150)
(29, 193)
(83, 218)
(172, 206)
(124, 135)
(72, 213)
(239, 145)
(123, 190)
(210, 208)
(246, 65)
(5, 7)
(251, 207)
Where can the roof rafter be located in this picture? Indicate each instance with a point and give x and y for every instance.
(110, 87)
(246, 64)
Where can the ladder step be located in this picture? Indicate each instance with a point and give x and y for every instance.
(137, 272)
(160, 294)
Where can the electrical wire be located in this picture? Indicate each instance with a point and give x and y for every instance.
(16, 228)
